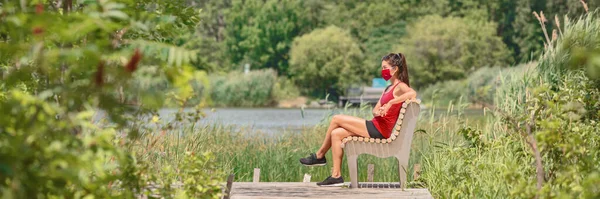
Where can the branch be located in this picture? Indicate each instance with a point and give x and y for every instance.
(536, 152)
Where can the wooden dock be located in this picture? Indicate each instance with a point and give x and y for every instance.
(267, 190)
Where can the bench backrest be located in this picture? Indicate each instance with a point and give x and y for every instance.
(405, 126)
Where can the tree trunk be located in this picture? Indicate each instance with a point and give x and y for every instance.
(67, 5)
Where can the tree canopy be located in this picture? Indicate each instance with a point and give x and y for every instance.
(327, 58)
(440, 49)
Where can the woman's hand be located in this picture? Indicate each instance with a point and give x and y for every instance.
(377, 113)
(384, 109)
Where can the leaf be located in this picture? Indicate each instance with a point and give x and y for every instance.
(116, 14)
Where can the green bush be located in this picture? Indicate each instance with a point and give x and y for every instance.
(246, 90)
(445, 93)
(60, 68)
(440, 49)
(479, 87)
(285, 89)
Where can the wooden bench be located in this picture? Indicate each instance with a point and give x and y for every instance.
(398, 145)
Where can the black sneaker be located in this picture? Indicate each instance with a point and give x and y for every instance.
(332, 182)
(313, 161)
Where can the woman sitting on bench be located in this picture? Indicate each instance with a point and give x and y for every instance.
(385, 114)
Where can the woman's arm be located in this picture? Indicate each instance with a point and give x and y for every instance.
(377, 109)
(401, 93)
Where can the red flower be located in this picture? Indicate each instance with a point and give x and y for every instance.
(39, 8)
(37, 30)
(134, 61)
(99, 77)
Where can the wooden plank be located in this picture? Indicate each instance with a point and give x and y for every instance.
(256, 177)
(306, 178)
(370, 172)
(249, 190)
(228, 188)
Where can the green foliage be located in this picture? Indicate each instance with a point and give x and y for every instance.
(40, 156)
(480, 87)
(567, 133)
(582, 39)
(326, 58)
(199, 177)
(557, 113)
(256, 89)
(285, 89)
(261, 32)
(362, 18)
(59, 68)
(441, 49)
(247, 90)
(445, 93)
(380, 42)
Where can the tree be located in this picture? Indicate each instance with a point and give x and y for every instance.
(364, 17)
(209, 38)
(439, 49)
(382, 41)
(327, 58)
(261, 32)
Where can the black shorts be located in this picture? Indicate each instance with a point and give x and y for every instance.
(373, 132)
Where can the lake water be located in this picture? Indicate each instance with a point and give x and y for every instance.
(274, 120)
(268, 120)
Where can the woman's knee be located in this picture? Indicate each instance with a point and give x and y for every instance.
(337, 118)
(339, 133)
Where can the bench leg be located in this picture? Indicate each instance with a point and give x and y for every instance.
(353, 167)
(402, 169)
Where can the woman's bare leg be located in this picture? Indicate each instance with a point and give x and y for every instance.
(338, 153)
(327, 141)
(350, 123)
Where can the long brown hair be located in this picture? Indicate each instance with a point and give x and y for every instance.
(398, 60)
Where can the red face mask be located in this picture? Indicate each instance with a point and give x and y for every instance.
(385, 73)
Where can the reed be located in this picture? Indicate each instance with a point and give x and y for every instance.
(237, 151)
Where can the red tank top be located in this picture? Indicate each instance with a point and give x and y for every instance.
(385, 124)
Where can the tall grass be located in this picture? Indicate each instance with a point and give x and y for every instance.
(580, 35)
(239, 152)
(494, 161)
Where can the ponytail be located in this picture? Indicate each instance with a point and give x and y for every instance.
(402, 75)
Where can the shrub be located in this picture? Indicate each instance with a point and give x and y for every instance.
(58, 69)
(439, 49)
(285, 89)
(247, 90)
(479, 87)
